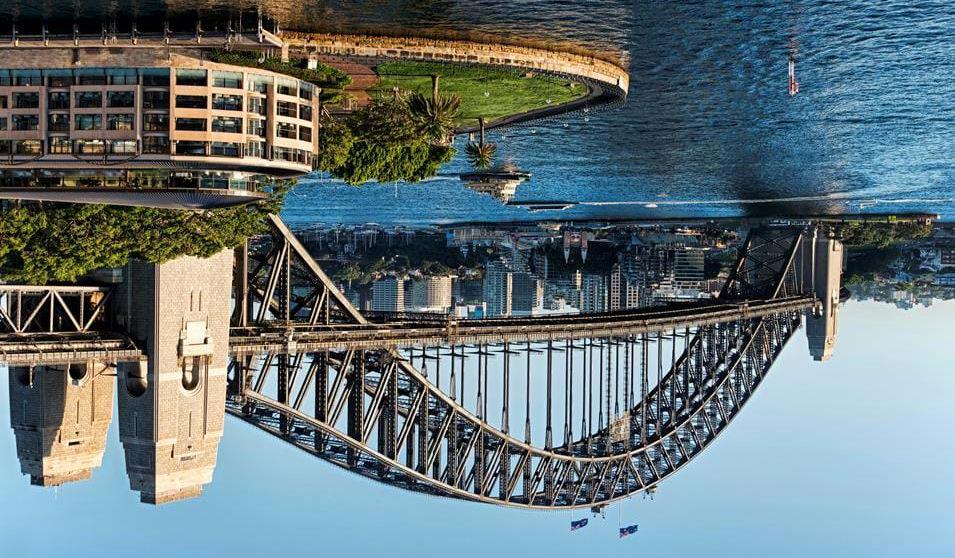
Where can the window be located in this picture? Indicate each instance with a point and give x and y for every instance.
(255, 149)
(232, 80)
(260, 84)
(59, 145)
(156, 144)
(27, 77)
(26, 122)
(90, 147)
(256, 105)
(286, 130)
(224, 149)
(64, 79)
(227, 125)
(58, 101)
(89, 121)
(123, 147)
(59, 123)
(91, 77)
(286, 87)
(191, 77)
(3, 101)
(286, 109)
(89, 99)
(256, 127)
(122, 77)
(3, 123)
(227, 102)
(192, 101)
(155, 100)
(190, 148)
(27, 147)
(120, 99)
(191, 124)
(156, 122)
(305, 112)
(305, 91)
(119, 122)
(304, 133)
(26, 100)
(155, 77)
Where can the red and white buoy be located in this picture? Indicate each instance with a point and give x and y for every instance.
(793, 84)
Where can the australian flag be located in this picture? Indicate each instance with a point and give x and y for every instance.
(628, 530)
(574, 525)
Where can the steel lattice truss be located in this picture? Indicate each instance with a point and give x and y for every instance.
(638, 408)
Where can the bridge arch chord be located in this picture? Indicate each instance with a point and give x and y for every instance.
(425, 440)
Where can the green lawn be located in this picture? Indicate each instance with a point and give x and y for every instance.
(489, 92)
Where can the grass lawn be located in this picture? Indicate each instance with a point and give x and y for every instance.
(489, 92)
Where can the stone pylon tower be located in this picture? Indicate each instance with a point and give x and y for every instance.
(60, 415)
(823, 258)
(172, 403)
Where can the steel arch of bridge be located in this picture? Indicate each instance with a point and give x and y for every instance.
(373, 411)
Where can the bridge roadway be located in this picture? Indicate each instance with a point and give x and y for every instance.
(293, 337)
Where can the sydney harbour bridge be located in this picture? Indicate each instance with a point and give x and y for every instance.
(559, 411)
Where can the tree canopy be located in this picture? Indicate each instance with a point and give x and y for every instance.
(45, 242)
(385, 141)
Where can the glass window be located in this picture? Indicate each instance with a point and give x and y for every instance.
(256, 127)
(283, 108)
(59, 100)
(123, 147)
(227, 125)
(305, 112)
(232, 80)
(286, 87)
(59, 78)
(26, 122)
(120, 99)
(224, 149)
(122, 77)
(3, 122)
(255, 149)
(156, 122)
(59, 145)
(59, 123)
(27, 77)
(191, 77)
(256, 105)
(156, 144)
(91, 77)
(89, 121)
(190, 148)
(89, 99)
(119, 122)
(3, 101)
(155, 100)
(284, 130)
(227, 102)
(191, 124)
(304, 133)
(26, 147)
(260, 83)
(305, 91)
(192, 101)
(155, 77)
(90, 147)
(26, 100)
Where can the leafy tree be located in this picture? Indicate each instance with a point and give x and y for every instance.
(481, 155)
(46, 242)
(434, 117)
(380, 142)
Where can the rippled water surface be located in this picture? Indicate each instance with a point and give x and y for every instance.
(708, 129)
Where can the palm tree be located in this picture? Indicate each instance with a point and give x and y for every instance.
(481, 155)
(435, 117)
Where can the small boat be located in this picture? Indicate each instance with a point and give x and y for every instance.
(543, 205)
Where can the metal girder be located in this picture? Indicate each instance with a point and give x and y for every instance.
(392, 409)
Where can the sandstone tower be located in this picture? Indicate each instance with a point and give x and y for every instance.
(60, 415)
(172, 403)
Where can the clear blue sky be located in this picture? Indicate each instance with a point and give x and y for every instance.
(853, 457)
